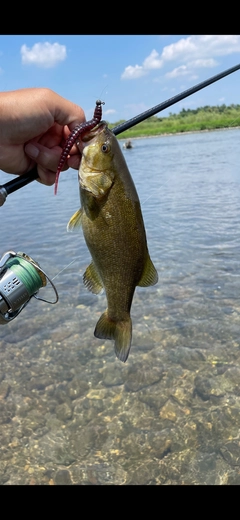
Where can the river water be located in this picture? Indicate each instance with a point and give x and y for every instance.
(70, 411)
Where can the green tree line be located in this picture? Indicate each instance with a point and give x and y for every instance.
(187, 120)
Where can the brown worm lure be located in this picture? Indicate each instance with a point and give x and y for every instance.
(79, 129)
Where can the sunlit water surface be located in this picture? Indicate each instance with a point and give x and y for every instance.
(70, 411)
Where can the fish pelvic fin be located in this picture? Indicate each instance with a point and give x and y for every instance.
(75, 221)
(120, 331)
(92, 280)
(149, 275)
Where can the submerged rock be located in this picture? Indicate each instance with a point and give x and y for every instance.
(62, 478)
(64, 412)
(141, 375)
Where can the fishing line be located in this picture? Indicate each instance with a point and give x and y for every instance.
(237, 118)
(154, 195)
(100, 97)
(149, 197)
(159, 187)
(64, 268)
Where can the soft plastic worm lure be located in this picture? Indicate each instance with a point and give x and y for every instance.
(79, 129)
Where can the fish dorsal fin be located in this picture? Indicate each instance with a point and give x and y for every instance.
(92, 280)
(149, 275)
(75, 221)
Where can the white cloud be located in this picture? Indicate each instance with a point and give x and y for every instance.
(220, 45)
(203, 63)
(131, 72)
(199, 47)
(182, 70)
(188, 69)
(178, 49)
(110, 111)
(153, 61)
(43, 54)
(189, 54)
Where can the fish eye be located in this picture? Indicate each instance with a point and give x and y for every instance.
(105, 148)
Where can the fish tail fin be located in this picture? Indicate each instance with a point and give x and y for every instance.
(120, 331)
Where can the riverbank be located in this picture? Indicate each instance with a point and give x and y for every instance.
(201, 119)
(178, 133)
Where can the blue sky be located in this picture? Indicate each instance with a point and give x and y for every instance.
(130, 73)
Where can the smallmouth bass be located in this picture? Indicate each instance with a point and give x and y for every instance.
(114, 232)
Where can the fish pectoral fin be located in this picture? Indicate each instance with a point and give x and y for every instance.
(75, 221)
(149, 275)
(92, 280)
(99, 184)
(120, 331)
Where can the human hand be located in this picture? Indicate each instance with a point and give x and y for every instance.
(34, 125)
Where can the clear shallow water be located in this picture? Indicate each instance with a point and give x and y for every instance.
(70, 411)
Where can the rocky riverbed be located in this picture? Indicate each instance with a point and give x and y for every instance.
(71, 413)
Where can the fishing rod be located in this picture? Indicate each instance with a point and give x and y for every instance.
(32, 175)
(158, 108)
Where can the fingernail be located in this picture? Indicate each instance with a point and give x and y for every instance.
(32, 150)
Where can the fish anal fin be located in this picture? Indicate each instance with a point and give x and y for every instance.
(92, 280)
(120, 331)
(75, 221)
(149, 275)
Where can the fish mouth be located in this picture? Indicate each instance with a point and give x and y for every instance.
(92, 133)
(87, 136)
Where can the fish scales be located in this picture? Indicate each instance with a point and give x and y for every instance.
(114, 232)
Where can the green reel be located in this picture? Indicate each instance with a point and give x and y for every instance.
(20, 279)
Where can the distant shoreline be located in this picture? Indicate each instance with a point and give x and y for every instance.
(179, 133)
